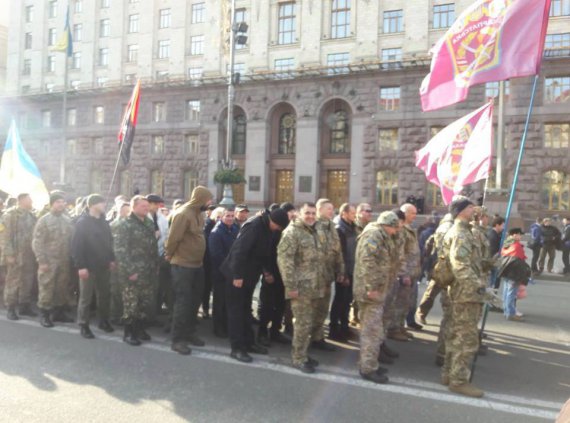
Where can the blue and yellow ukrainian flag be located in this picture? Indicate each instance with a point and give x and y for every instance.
(18, 172)
(65, 42)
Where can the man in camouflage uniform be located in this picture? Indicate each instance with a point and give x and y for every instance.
(333, 269)
(301, 257)
(116, 309)
(135, 251)
(466, 294)
(372, 273)
(51, 244)
(18, 256)
(363, 218)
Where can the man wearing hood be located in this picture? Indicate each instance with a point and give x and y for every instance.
(185, 249)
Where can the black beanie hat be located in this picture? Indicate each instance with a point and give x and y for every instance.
(56, 195)
(279, 217)
(459, 204)
(95, 199)
(287, 207)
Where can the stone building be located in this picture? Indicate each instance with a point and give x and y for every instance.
(327, 104)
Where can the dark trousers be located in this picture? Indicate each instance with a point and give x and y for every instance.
(566, 259)
(240, 319)
(271, 305)
(188, 285)
(97, 284)
(220, 310)
(164, 296)
(535, 257)
(340, 309)
(207, 288)
(411, 316)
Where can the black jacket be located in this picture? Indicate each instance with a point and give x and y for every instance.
(347, 234)
(220, 242)
(92, 243)
(514, 269)
(251, 252)
(566, 236)
(494, 241)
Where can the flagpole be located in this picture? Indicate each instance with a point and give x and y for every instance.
(115, 172)
(64, 123)
(509, 205)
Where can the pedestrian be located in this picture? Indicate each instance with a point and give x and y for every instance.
(288, 314)
(340, 309)
(566, 245)
(248, 258)
(209, 224)
(512, 248)
(535, 244)
(372, 272)
(93, 256)
(136, 245)
(551, 237)
(466, 295)
(185, 249)
(363, 218)
(19, 258)
(494, 234)
(116, 308)
(220, 241)
(301, 257)
(51, 244)
(242, 214)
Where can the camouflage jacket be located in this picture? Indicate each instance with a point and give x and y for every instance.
(465, 261)
(135, 247)
(330, 243)
(445, 225)
(18, 227)
(411, 253)
(52, 238)
(301, 257)
(374, 263)
(486, 261)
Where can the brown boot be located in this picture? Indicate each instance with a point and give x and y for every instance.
(467, 389)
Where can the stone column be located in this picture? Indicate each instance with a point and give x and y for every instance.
(357, 159)
(213, 155)
(256, 162)
(306, 160)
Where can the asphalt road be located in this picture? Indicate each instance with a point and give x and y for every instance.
(54, 375)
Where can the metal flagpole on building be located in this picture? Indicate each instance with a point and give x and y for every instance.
(500, 137)
(63, 124)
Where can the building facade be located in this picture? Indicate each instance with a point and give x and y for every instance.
(327, 103)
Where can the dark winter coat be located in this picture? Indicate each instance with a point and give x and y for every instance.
(92, 243)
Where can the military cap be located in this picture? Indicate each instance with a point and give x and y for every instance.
(241, 207)
(459, 204)
(154, 198)
(56, 195)
(389, 218)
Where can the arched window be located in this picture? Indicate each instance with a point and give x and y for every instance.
(339, 132)
(287, 134)
(556, 190)
(239, 134)
(387, 187)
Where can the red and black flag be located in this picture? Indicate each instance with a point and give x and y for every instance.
(129, 122)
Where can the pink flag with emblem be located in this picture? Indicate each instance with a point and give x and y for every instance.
(492, 40)
(459, 154)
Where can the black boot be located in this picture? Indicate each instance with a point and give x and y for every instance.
(86, 332)
(12, 315)
(45, 319)
(140, 332)
(59, 315)
(26, 310)
(130, 337)
(105, 326)
(263, 337)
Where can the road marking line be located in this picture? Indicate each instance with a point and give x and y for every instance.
(420, 389)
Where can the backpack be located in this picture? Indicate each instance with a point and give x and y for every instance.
(442, 273)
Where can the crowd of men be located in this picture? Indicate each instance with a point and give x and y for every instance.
(137, 262)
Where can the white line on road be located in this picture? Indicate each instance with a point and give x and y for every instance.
(410, 387)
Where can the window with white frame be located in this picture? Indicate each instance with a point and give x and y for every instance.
(286, 28)
(193, 110)
(443, 15)
(560, 8)
(105, 4)
(157, 182)
(52, 36)
(28, 41)
(78, 6)
(241, 16)
(52, 9)
(78, 32)
(159, 111)
(50, 64)
(191, 143)
(198, 10)
(340, 19)
(103, 57)
(557, 45)
(133, 23)
(101, 81)
(391, 54)
(282, 65)
(99, 114)
(71, 147)
(157, 145)
(76, 60)
(71, 117)
(163, 49)
(388, 139)
(104, 27)
(196, 45)
(190, 182)
(27, 67)
(336, 62)
(29, 14)
(195, 72)
(164, 18)
(393, 21)
(557, 89)
(132, 53)
(46, 118)
(389, 98)
(492, 89)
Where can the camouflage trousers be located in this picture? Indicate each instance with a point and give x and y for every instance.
(138, 297)
(371, 335)
(97, 284)
(20, 281)
(402, 301)
(116, 307)
(389, 315)
(304, 311)
(444, 325)
(462, 342)
(53, 285)
(430, 294)
(320, 315)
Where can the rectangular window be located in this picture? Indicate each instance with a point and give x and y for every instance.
(191, 143)
(133, 23)
(98, 146)
(78, 6)
(560, 8)
(336, 61)
(132, 53)
(393, 21)
(28, 41)
(27, 68)
(492, 90)
(76, 60)
(71, 147)
(103, 59)
(557, 45)
(557, 135)
(157, 145)
(193, 110)
(392, 55)
(29, 14)
(157, 182)
(557, 90)
(388, 139)
(50, 64)
(104, 27)
(340, 19)
(443, 15)
(195, 73)
(78, 32)
(164, 21)
(52, 9)
(52, 36)
(198, 12)
(164, 49)
(190, 182)
(390, 98)
(159, 112)
(241, 16)
(105, 4)
(46, 118)
(287, 23)
(282, 65)
(197, 45)
(99, 114)
(71, 117)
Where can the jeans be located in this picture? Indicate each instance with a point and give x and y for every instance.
(188, 284)
(510, 290)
